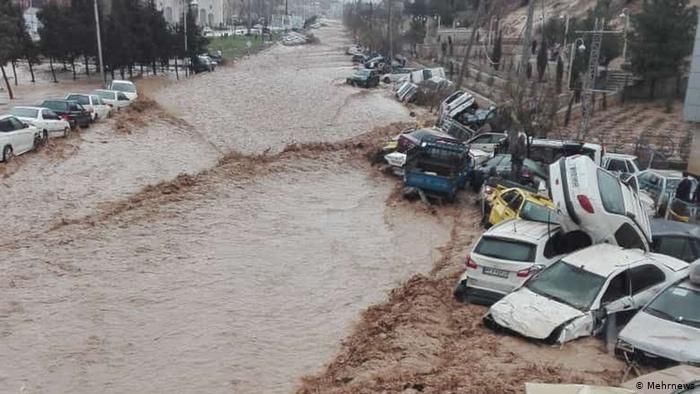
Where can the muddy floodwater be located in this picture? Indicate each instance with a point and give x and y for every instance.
(226, 284)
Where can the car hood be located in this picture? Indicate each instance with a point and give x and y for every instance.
(663, 338)
(530, 314)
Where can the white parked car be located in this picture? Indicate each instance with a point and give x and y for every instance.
(92, 103)
(126, 87)
(619, 163)
(486, 142)
(113, 98)
(507, 255)
(573, 297)
(667, 330)
(45, 120)
(16, 137)
(591, 199)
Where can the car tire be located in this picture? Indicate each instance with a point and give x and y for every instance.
(45, 137)
(7, 154)
(460, 293)
(66, 132)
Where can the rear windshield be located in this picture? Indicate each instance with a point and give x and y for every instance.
(55, 105)
(611, 193)
(506, 249)
(123, 87)
(537, 213)
(81, 99)
(24, 112)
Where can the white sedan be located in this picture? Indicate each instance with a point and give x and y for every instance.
(575, 296)
(126, 87)
(593, 200)
(16, 137)
(113, 98)
(45, 120)
(93, 104)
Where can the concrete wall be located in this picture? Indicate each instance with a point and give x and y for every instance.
(691, 108)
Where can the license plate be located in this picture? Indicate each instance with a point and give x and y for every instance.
(495, 272)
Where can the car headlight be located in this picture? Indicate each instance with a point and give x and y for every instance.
(624, 346)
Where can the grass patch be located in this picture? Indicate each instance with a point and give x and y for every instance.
(234, 47)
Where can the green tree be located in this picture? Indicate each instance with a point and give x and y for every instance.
(53, 43)
(10, 38)
(661, 38)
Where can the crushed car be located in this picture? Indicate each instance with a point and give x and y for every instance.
(595, 201)
(573, 297)
(516, 202)
(364, 77)
(438, 169)
(532, 174)
(661, 186)
(486, 142)
(680, 240)
(507, 255)
(666, 331)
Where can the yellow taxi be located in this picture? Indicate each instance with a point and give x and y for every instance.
(501, 203)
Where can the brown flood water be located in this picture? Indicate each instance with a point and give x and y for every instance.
(239, 286)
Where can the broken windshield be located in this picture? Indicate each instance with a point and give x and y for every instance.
(568, 284)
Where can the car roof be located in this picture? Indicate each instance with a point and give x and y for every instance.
(122, 81)
(661, 227)
(28, 107)
(523, 230)
(620, 156)
(77, 94)
(607, 259)
(664, 173)
(6, 116)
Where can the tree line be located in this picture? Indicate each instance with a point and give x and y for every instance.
(134, 34)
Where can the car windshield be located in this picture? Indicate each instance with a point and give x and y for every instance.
(537, 213)
(81, 99)
(611, 193)
(636, 163)
(567, 284)
(24, 112)
(506, 249)
(123, 87)
(362, 73)
(677, 303)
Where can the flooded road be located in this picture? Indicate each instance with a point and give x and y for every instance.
(242, 278)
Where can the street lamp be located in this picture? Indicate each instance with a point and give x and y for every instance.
(577, 46)
(99, 43)
(185, 10)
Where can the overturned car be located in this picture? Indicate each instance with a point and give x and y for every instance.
(575, 296)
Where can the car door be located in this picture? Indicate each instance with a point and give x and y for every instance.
(503, 208)
(616, 166)
(617, 297)
(22, 136)
(51, 120)
(481, 142)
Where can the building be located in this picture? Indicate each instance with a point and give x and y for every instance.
(691, 106)
(209, 12)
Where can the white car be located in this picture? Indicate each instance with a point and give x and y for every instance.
(591, 199)
(507, 255)
(113, 98)
(667, 329)
(486, 142)
(126, 87)
(575, 296)
(45, 120)
(93, 104)
(16, 137)
(619, 163)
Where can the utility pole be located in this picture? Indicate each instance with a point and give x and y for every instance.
(588, 81)
(99, 43)
(250, 24)
(185, 11)
(391, 41)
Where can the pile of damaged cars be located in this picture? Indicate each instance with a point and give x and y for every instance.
(583, 258)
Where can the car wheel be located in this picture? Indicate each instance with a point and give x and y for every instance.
(387, 80)
(45, 137)
(7, 154)
(460, 292)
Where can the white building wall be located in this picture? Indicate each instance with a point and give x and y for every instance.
(208, 12)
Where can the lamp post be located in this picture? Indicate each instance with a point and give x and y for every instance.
(99, 42)
(579, 46)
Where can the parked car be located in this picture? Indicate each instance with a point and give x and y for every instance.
(500, 165)
(512, 203)
(364, 77)
(46, 121)
(666, 331)
(547, 151)
(126, 87)
(619, 163)
(201, 63)
(396, 74)
(660, 185)
(437, 168)
(216, 56)
(507, 255)
(486, 142)
(677, 239)
(359, 58)
(593, 200)
(354, 50)
(414, 137)
(92, 103)
(573, 297)
(16, 137)
(70, 111)
(113, 98)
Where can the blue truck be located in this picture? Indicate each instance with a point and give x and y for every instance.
(439, 169)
